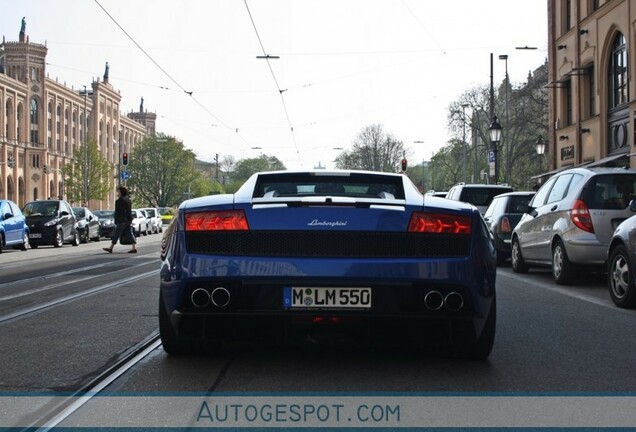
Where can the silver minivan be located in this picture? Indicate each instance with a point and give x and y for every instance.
(571, 219)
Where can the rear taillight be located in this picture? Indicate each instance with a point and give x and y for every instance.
(227, 220)
(505, 225)
(581, 216)
(439, 223)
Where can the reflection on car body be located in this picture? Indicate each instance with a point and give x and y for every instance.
(322, 254)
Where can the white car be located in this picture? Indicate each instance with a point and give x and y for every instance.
(140, 223)
(156, 224)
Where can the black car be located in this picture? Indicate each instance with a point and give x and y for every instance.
(502, 216)
(106, 222)
(87, 224)
(51, 222)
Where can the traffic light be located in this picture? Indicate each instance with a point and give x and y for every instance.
(124, 159)
(47, 170)
(10, 161)
(404, 163)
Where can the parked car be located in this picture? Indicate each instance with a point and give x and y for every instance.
(51, 222)
(620, 264)
(106, 222)
(87, 224)
(570, 221)
(323, 254)
(479, 195)
(156, 224)
(140, 223)
(502, 216)
(167, 213)
(14, 231)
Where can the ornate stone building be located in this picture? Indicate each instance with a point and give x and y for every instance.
(44, 122)
(592, 92)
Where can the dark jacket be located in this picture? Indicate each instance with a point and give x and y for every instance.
(123, 210)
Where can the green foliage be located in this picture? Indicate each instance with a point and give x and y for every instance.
(244, 168)
(99, 176)
(161, 171)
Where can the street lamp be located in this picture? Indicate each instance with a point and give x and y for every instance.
(504, 57)
(464, 106)
(495, 138)
(85, 93)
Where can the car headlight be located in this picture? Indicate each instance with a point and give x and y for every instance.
(51, 222)
(108, 222)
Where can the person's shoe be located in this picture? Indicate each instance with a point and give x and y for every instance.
(109, 250)
(132, 251)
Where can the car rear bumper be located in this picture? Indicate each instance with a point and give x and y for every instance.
(586, 251)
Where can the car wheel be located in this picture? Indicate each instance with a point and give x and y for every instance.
(562, 268)
(146, 231)
(174, 344)
(59, 239)
(621, 278)
(1, 242)
(76, 239)
(480, 348)
(84, 236)
(25, 241)
(518, 264)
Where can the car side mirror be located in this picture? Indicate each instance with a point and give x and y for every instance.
(64, 213)
(632, 205)
(7, 216)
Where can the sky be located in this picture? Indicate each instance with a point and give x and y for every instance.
(342, 65)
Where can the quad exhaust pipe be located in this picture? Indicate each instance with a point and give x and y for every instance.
(220, 297)
(435, 300)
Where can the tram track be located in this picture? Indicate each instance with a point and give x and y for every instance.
(109, 373)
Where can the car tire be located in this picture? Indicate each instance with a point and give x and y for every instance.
(25, 241)
(175, 345)
(620, 277)
(481, 348)
(59, 239)
(562, 267)
(84, 237)
(76, 239)
(1, 242)
(516, 258)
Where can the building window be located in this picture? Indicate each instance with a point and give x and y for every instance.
(567, 15)
(34, 121)
(19, 123)
(618, 72)
(588, 88)
(567, 102)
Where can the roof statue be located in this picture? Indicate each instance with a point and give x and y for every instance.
(23, 27)
(106, 72)
(141, 105)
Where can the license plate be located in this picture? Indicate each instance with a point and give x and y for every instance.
(326, 298)
(35, 235)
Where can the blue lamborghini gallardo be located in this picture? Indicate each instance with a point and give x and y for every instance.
(316, 255)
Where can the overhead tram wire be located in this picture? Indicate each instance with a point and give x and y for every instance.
(189, 93)
(271, 70)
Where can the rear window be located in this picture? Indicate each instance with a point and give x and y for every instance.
(41, 208)
(481, 196)
(610, 191)
(519, 203)
(354, 185)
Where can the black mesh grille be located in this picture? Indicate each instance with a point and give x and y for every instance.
(327, 244)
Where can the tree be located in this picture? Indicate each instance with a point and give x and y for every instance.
(161, 170)
(373, 150)
(99, 174)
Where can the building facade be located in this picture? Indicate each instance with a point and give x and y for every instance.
(44, 123)
(591, 88)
